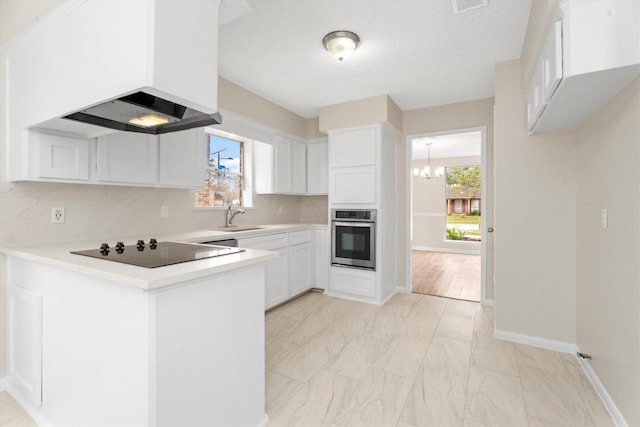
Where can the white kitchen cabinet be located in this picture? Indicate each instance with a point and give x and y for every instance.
(60, 157)
(182, 159)
(127, 157)
(318, 168)
(322, 258)
(362, 176)
(298, 167)
(281, 167)
(277, 270)
(353, 148)
(293, 272)
(25, 342)
(589, 55)
(301, 262)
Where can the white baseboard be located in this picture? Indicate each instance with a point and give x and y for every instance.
(264, 422)
(571, 348)
(608, 403)
(448, 250)
(554, 345)
(488, 302)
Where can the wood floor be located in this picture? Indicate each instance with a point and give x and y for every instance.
(447, 275)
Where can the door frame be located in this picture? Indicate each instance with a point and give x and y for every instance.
(485, 206)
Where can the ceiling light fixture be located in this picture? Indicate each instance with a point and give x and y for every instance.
(341, 44)
(425, 172)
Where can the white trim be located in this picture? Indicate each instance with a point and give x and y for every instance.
(561, 346)
(488, 302)
(607, 401)
(4, 384)
(28, 407)
(264, 422)
(448, 250)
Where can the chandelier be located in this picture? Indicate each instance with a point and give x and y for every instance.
(425, 172)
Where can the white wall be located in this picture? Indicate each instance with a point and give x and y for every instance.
(535, 212)
(608, 260)
(429, 209)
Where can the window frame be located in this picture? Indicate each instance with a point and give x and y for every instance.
(247, 169)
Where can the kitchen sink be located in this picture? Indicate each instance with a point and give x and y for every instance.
(233, 229)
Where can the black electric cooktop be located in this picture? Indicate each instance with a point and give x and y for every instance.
(156, 254)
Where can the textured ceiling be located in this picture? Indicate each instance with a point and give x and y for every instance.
(416, 51)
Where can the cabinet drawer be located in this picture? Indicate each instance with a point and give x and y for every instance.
(267, 243)
(297, 237)
(353, 281)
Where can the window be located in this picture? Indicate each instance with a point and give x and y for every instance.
(225, 173)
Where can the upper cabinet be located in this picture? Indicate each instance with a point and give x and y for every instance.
(288, 166)
(130, 158)
(318, 168)
(589, 54)
(182, 159)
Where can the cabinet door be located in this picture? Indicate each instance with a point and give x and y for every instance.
(535, 106)
(552, 62)
(298, 168)
(282, 165)
(318, 168)
(353, 148)
(277, 280)
(300, 268)
(354, 185)
(263, 168)
(25, 342)
(322, 249)
(127, 157)
(182, 158)
(60, 157)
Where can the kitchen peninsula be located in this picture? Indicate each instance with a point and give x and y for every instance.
(93, 342)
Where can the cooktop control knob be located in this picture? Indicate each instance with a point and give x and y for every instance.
(104, 248)
(120, 247)
(153, 243)
(140, 245)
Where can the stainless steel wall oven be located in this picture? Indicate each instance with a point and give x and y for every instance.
(353, 238)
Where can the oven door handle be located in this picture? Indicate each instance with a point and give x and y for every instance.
(353, 224)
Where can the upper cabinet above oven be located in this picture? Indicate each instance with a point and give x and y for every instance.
(590, 52)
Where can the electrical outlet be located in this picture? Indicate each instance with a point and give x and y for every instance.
(604, 218)
(164, 211)
(57, 215)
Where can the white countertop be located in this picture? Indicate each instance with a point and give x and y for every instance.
(58, 255)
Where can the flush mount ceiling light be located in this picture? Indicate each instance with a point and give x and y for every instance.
(341, 44)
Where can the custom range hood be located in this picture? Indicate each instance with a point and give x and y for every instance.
(144, 113)
(93, 67)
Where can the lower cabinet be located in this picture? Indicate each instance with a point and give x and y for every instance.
(293, 272)
(300, 268)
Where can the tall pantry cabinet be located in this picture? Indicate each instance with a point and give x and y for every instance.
(362, 176)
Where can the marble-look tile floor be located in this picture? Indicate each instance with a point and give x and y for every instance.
(12, 414)
(418, 360)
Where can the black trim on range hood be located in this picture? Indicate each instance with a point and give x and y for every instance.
(116, 114)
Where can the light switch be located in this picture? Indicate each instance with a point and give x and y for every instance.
(164, 211)
(603, 218)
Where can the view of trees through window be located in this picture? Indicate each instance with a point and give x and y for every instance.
(225, 167)
(463, 202)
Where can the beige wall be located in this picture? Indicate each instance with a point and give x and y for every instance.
(608, 260)
(535, 211)
(361, 112)
(461, 115)
(429, 209)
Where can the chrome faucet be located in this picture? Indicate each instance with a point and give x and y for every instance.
(232, 214)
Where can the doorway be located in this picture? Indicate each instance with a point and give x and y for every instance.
(446, 254)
